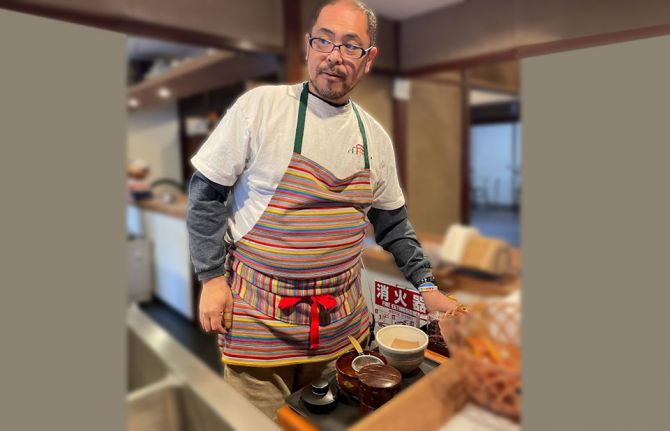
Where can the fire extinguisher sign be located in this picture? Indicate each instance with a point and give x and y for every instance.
(395, 305)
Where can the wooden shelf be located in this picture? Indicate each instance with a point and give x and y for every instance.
(203, 74)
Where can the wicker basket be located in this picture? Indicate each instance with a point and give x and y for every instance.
(485, 345)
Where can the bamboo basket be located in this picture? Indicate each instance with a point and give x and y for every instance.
(485, 346)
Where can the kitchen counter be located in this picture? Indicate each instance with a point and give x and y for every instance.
(379, 261)
(164, 226)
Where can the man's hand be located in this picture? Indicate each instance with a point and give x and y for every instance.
(216, 306)
(436, 301)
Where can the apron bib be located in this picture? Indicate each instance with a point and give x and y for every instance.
(295, 276)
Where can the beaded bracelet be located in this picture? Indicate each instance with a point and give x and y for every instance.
(427, 287)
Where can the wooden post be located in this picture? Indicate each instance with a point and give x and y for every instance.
(399, 117)
(465, 147)
(293, 60)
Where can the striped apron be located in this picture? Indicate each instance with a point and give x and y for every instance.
(295, 277)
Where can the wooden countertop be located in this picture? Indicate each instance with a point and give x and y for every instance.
(375, 258)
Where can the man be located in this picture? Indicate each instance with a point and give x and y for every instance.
(289, 176)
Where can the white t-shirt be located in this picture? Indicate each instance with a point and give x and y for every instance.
(252, 146)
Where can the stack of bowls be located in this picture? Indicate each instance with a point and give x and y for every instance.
(347, 378)
(377, 385)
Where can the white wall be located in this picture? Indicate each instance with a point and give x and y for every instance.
(153, 135)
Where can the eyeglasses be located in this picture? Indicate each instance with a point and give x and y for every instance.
(346, 49)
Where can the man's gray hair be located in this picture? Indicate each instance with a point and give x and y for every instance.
(372, 19)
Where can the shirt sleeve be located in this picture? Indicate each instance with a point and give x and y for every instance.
(206, 221)
(227, 150)
(395, 234)
(387, 194)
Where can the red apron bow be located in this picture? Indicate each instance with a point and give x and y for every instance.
(326, 301)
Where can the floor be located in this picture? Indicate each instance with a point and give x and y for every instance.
(498, 223)
(188, 333)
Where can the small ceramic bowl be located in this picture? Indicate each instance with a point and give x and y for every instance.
(347, 378)
(405, 360)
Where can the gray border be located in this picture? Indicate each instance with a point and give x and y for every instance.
(62, 137)
(595, 238)
(594, 231)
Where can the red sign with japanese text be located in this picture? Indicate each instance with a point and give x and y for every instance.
(397, 305)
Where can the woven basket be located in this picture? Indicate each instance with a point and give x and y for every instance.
(485, 345)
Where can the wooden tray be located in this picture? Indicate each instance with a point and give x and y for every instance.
(294, 416)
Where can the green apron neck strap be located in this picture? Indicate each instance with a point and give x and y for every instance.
(300, 127)
(363, 135)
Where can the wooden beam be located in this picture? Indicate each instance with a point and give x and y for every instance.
(480, 84)
(463, 63)
(465, 147)
(293, 60)
(592, 40)
(121, 23)
(525, 51)
(475, 84)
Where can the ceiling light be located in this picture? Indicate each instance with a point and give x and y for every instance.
(164, 92)
(133, 102)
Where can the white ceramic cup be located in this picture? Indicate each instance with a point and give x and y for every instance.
(405, 360)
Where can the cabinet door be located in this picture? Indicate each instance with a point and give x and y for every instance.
(172, 268)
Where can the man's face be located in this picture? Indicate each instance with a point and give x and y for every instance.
(332, 75)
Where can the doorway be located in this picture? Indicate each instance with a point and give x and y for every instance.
(495, 151)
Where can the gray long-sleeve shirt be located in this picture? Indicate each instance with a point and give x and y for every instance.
(207, 222)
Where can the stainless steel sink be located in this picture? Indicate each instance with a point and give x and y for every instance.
(169, 389)
(144, 365)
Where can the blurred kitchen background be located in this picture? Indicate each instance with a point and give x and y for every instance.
(456, 126)
(446, 86)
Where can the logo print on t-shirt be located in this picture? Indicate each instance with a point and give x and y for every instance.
(357, 150)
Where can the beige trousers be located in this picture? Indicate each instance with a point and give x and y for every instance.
(267, 387)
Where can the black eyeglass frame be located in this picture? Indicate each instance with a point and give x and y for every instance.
(334, 45)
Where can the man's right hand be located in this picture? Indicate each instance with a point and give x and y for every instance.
(216, 306)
